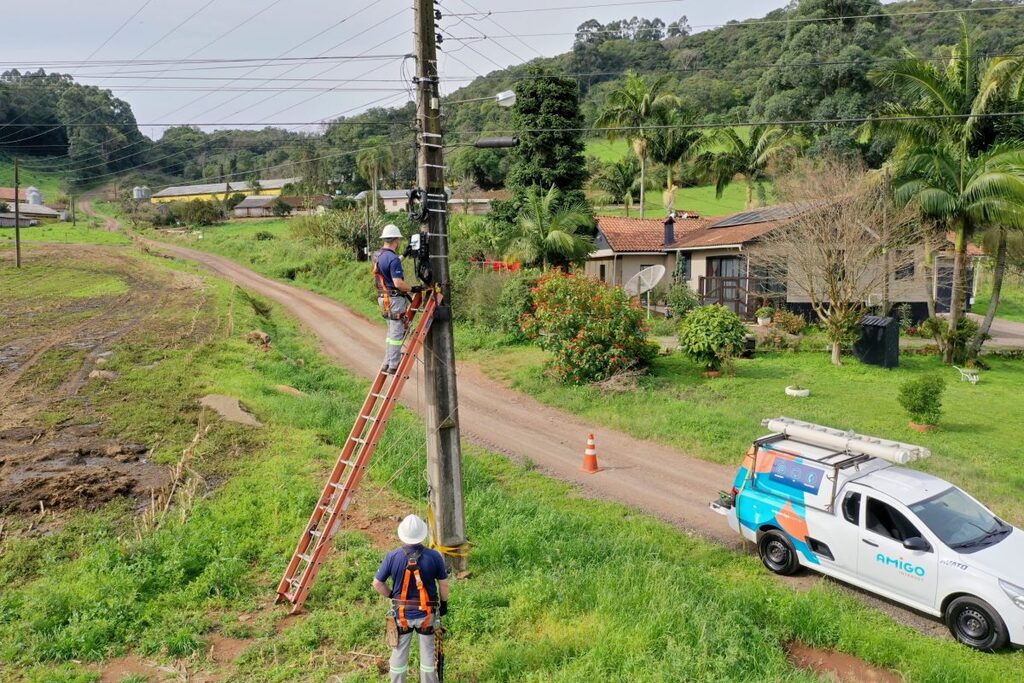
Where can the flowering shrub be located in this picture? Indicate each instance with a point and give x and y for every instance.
(594, 332)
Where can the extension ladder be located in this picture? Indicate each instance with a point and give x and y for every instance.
(315, 542)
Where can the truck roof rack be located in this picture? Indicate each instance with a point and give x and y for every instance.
(842, 442)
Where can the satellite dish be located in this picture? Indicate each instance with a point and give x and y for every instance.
(644, 281)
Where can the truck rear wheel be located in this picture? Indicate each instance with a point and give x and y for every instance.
(777, 552)
(976, 624)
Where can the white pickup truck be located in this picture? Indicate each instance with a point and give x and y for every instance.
(838, 503)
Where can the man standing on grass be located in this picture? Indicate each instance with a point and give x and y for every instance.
(392, 295)
(419, 597)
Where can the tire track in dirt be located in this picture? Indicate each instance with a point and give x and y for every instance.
(642, 474)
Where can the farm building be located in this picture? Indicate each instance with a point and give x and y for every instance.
(220, 191)
(395, 201)
(262, 206)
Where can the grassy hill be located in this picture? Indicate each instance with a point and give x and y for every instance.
(50, 183)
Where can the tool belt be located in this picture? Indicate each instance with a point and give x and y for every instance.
(400, 604)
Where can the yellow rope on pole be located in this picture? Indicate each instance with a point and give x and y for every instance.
(451, 551)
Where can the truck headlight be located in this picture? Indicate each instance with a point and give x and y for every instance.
(1015, 593)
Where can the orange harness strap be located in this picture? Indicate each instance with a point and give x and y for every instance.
(383, 289)
(412, 569)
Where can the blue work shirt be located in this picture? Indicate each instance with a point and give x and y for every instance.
(390, 267)
(432, 570)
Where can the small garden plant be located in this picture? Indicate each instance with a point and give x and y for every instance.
(921, 397)
(711, 334)
(765, 312)
(594, 331)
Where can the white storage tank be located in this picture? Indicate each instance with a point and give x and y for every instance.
(34, 196)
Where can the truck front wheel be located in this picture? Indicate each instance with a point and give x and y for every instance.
(974, 623)
(777, 552)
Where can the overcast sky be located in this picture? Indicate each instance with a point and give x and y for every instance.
(78, 35)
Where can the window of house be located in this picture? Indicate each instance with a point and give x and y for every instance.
(905, 266)
(601, 273)
(885, 520)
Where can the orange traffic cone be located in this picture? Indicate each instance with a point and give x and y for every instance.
(590, 457)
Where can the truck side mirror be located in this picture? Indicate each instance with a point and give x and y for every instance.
(916, 543)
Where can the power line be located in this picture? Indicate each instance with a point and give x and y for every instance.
(334, 47)
(560, 8)
(119, 29)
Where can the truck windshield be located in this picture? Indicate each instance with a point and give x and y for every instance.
(959, 521)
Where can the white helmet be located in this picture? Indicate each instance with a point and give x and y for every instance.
(412, 530)
(391, 232)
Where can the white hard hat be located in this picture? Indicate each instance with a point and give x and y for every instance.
(391, 232)
(412, 530)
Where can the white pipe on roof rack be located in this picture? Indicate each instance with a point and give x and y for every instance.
(851, 442)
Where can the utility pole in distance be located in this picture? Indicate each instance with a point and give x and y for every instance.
(444, 451)
(17, 219)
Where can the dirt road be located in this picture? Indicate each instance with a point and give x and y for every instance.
(639, 473)
(642, 474)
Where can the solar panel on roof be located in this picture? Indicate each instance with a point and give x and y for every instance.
(774, 213)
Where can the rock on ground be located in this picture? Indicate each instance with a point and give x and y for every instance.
(230, 409)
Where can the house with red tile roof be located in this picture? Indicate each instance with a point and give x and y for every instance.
(710, 255)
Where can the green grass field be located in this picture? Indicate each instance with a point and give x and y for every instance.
(700, 199)
(65, 233)
(564, 588)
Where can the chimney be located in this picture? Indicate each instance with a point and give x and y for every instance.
(670, 230)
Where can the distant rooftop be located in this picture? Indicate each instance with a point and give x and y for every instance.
(766, 215)
(222, 188)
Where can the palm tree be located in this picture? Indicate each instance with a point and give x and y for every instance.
(749, 157)
(550, 235)
(618, 180)
(631, 111)
(954, 168)
(673, 142)
(373, 162)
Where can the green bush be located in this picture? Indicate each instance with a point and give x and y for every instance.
(787, 321)
(594, 331)
(682, 300)
(477, 296)
(280, 208)
(234, 200)
(711, 334)
(938, 328)
(263, 235)
(921, 397)
(765, 312)
(516, 301)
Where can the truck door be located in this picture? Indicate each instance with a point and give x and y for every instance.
(843, 536)
(885, 562)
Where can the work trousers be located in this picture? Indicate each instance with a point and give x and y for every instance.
(396, 331)
(399, 662)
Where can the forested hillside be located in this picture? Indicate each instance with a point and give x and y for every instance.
(794, 64)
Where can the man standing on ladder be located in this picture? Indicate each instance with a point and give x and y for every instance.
(419, 595)
(392, 295)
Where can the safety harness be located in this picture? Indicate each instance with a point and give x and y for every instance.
(425, 605)
(385, 292)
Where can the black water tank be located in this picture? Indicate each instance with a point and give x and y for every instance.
(879, 342)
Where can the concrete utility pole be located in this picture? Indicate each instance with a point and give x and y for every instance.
(17, 219)
(444, 452)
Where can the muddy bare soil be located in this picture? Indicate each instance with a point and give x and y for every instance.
(56, 347)
(74, 467)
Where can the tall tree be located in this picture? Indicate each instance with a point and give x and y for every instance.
(673, 142)
(618, 179)
(374, 161)
(951, 163)
(749, 156)
(632, 112)
(548, 121)
(549, 232)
